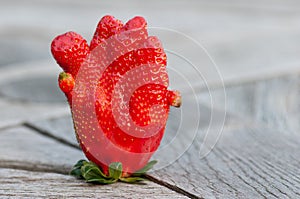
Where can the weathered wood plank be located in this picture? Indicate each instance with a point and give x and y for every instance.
(26, 184)
(29, 91)
(60, 128)
(258, 158)
(249, 162)
(14, 113)
(274, 102)
(271, 156)
(25, 149)
(173, 137)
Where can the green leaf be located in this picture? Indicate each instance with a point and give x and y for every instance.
(143, 171)
(91, 171)
(93, 174)
(80, 163)
(132, 179)
(76, 172)
(115, 170)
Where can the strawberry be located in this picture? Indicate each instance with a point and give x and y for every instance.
(106, 27)
(117, 91)
(70, 51)
(66, 82)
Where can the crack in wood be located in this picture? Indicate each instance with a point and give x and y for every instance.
(50, 135)
(28, 166)
(173, 187)
(261, 185)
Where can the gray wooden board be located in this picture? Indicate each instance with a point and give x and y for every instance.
(248, 162)
(26, 149)
(29, 91)
(274, 102)
(14, 113)
(61, 129)
(41, 89)
(26, 184)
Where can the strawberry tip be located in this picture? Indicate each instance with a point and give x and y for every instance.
(174, 98)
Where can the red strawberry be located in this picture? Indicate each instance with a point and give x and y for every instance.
(107, 27)
(66, 82)
(120, 102)
(70, 51)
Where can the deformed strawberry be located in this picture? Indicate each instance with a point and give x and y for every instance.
(117, 91)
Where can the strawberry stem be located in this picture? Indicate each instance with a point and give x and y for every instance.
(93, 174)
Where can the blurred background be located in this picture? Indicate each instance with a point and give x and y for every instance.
(255, 45)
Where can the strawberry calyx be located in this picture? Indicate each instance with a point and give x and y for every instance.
(91, 173)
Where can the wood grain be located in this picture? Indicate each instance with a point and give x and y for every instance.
(25, 184)
(21, 83)
(25, 149)
(249, 162)
(251, 159)
(61, 129)
(273, 102)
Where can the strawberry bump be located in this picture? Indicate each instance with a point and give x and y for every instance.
(117, 88)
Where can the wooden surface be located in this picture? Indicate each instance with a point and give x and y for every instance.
(246, 163)
(34, 166)
(27, 184)
(247, 147)
(249, 161)
(26, 149)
